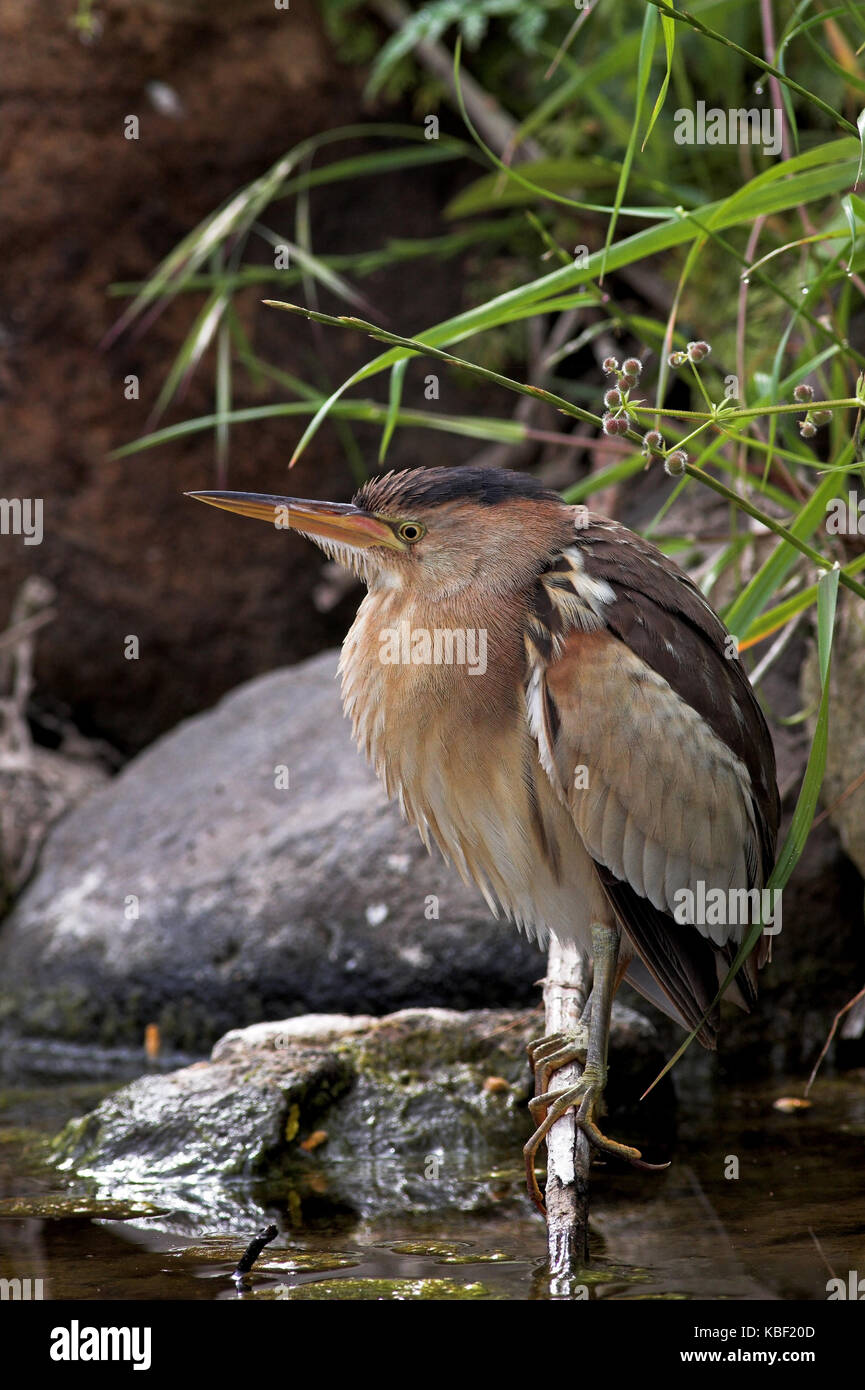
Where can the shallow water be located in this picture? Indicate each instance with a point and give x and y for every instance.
(793, 1218)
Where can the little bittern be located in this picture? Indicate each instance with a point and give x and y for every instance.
(557, 706)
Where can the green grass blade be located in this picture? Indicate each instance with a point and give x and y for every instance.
(489, 429)
(771, 574)
(397, 377)
(783, 613)
(669, 28)
(644, 72)
(194, 346)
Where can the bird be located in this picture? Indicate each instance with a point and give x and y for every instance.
(555, 704)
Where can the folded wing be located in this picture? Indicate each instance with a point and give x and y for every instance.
(648, 727)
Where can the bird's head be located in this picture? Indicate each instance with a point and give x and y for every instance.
(441, 530)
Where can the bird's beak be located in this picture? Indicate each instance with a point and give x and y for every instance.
(332, 521)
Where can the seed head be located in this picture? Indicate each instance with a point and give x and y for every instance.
(652, 442)
(616, 424)
(632, 366)
(609, 365)
(674, 463)
(613, 397)
(803, 392)
(821, 417)
(806, 429)
(697, 351)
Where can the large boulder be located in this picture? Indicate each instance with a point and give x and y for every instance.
(424, 1110)
(199, 892)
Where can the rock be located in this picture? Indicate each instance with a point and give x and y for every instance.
(368, 1115)
(198, 892)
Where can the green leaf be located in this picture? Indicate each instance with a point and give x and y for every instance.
(397, 376)
(541, 178)
(644, 72)
(494, 431)
(771, 574)
(669, 27)
(195, 345)
(605, 477)
(778, 189)
(775, 618)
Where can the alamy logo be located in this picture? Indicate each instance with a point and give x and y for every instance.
(441, 646)
(845, 516)
(21, 1289)
(721, 907)
(22, 516)
(853, 1289)
(77, 1343)
(739, 126)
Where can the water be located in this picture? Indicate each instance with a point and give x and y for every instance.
(793, 1218)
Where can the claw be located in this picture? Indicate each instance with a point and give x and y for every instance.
(549, 1107)
(588, 1046)
(556, 1050)
(610, 1146)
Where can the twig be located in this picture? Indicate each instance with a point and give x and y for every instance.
(820, 1253)
(253, 1250)
(13, 635)
(31, 610)
(832, 1031)
(777, 648)
(568, 1153)
(848, 791)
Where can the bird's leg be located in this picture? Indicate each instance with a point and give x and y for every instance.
(556, 1050)
(588, 1047)
(606, 977)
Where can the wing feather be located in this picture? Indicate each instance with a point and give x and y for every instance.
(650, 697)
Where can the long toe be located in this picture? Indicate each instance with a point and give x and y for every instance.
(611, 1146)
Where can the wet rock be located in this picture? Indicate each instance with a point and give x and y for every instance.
(246, 866)
(402, 1290)
(398, 1108)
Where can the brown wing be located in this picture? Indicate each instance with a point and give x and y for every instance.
(679, 788)
(665, 619)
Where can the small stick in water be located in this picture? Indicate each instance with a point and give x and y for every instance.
(253, 1250)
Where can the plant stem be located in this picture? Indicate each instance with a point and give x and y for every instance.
(745, 506)
(685, 17)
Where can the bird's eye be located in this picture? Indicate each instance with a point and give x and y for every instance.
(410, 531)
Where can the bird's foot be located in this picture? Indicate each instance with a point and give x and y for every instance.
(556, 1050)
(585, 1097)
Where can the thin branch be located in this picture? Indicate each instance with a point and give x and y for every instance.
(832, 1031)
(568, 1152)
